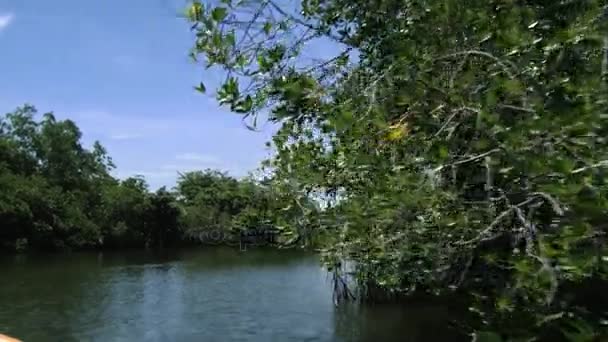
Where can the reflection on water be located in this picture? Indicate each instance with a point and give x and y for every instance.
(194, 295)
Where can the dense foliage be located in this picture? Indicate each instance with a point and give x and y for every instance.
(458, 145)
(57, 194)
(214, 203)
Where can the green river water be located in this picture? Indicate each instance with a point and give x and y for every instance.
(206, 294)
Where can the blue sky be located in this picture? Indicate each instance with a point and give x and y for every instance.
(119, 69)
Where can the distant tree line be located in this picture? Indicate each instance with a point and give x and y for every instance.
(58, 194)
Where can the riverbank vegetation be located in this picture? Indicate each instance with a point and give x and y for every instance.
(57, 194)
(460, 146)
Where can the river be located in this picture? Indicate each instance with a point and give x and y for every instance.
(206, 294)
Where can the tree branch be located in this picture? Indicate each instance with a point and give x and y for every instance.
(487, 55)
(468, 160)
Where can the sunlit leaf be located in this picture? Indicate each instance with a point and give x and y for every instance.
(219, 13)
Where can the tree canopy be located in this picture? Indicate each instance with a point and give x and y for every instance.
(58, 194)
(460, 145)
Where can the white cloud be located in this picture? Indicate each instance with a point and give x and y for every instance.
(159, 148)
(156, 174)
(105, 125)
(149, 175)
(173, 167)
(190, 167)
(187, 162)
(196, 157)
(5, 20)
(125, 136)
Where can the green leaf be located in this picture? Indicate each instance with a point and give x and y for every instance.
(267, 27)
(244, 105)
(201, 88)
(217, 40)
(230, 39)
(192, 56)
(194, 12)
(443, 152)
(241, 60)
(229, 91)
(263, 63)
(514, 87)
(479, 119)
(563, 165)
(276, 54)
(504, 304)
(219, 13)
(487, 336)
(342, 60)
(491, 98)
